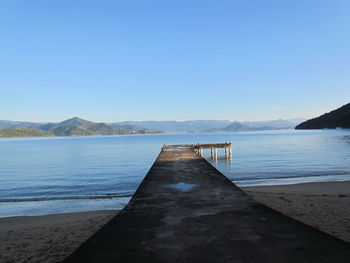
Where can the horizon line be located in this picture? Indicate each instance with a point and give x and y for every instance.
(169, 120)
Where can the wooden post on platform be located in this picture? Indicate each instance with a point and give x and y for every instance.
(198, 148)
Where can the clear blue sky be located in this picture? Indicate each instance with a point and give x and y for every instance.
(173, 60)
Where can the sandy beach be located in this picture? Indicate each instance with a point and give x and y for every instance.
(325, 205)
(48, 238)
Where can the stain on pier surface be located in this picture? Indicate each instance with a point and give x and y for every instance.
(211, 221)
(182, 186)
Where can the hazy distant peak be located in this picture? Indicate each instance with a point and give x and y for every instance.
(75, 121)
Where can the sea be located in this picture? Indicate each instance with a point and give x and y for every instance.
(40, 176)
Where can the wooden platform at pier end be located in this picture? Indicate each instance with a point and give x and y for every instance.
(187, 211)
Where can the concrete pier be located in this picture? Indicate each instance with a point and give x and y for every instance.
(187, 211)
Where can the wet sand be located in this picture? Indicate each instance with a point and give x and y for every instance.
(48, 238)
(325, 206)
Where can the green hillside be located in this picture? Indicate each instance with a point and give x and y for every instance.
(23, 132)
(72, 127)
(89, 130)
(104, 129)
(70, 130)
(339, 118)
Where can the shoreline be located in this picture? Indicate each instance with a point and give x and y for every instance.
(51, 238)
(322, 205)
(76, 136)
(316, 187)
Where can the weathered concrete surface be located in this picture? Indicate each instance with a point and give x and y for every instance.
(186, 211)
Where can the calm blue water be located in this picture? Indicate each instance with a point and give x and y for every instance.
(54, 175)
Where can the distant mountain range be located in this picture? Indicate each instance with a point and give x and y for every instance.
(179, 126)
(339, 118)
(236, 126)
(214, 125)
(71, 127)
(80, 127)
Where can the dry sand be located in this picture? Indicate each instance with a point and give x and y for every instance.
(325, 206)
(47, 238)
